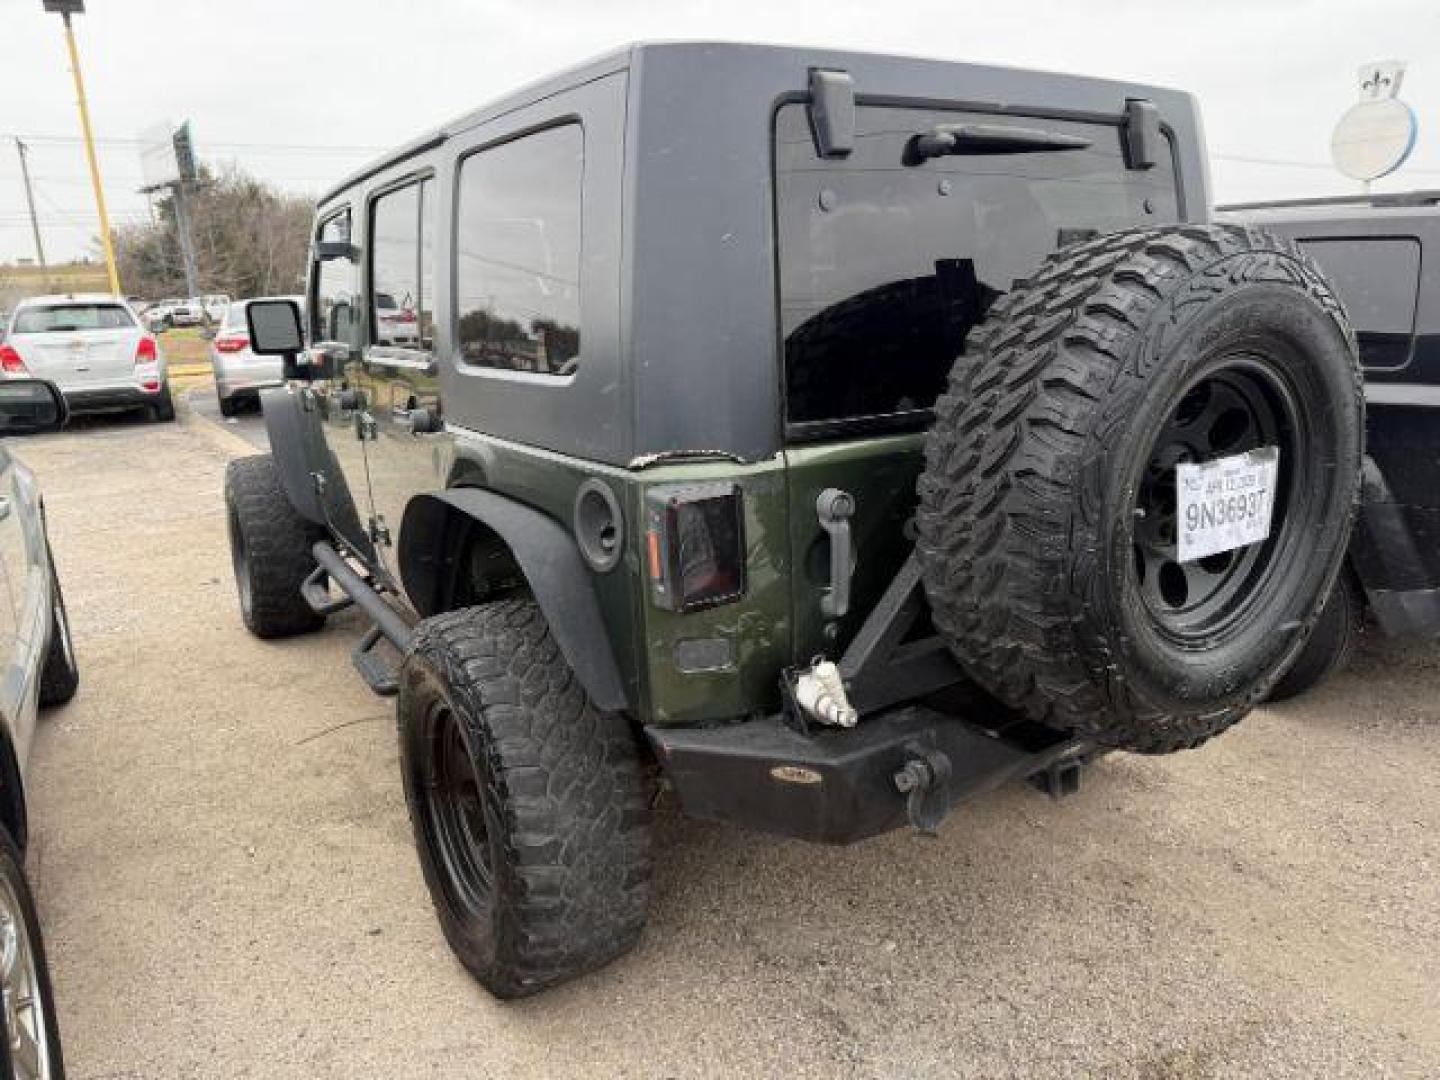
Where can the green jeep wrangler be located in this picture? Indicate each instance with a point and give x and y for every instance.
(825, 436)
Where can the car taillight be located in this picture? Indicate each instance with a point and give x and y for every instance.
(10, 360)
(145, 352)
(233, 343)
(694, 545)
(405, 316)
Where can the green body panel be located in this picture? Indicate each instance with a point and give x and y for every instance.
(643, 637)
(880, 473)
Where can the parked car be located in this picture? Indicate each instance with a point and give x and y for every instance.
(38, 653)
(190, 312)
(94, 349)
(940, 378)
(240, 375)
(214, 306)
(1383, 254)
(395, 324)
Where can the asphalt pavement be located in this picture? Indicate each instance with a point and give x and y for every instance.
(248, 425)
(227, 882)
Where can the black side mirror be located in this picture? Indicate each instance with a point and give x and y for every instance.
(31, 406)
(276, 329)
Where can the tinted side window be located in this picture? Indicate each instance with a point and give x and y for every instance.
(400, 304)
(888, 259)
(336, 303)
(517, 272)
(1377, 280)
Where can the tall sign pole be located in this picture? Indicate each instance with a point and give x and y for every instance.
(23, 150)
(66, 8)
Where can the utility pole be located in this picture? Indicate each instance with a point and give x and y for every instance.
(187, 246)
(66, 8)
(22, 149)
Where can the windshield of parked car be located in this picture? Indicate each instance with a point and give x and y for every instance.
(58, 318)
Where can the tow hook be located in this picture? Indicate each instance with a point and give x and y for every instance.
(924, 780)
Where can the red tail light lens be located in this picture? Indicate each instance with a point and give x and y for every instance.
(231, 343)
(145, 352)
(10, 360)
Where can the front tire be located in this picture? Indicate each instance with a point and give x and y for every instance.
(270, 550)
(30, 1044)
(530, 807)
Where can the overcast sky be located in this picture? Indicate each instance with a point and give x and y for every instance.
(302, 91)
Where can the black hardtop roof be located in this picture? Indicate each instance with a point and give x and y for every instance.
(629, 55)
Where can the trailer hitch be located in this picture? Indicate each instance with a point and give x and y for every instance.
(924, 780)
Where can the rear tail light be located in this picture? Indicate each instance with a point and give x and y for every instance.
(10, 360)
(231, 343)
(147, 364)
(694, 545)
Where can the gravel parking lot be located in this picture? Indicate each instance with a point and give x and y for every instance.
(226, 878)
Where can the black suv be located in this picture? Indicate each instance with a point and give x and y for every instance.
(830, 435)
(1382, 252)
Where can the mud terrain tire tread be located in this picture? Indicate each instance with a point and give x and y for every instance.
(277, 543)
(1008, 522)
(571, 794)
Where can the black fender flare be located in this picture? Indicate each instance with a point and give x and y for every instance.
(285, 428)
(548, 557)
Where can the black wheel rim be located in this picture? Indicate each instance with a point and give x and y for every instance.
(455, 807)
(1240, 403)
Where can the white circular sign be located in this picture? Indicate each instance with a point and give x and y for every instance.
(1373, 138)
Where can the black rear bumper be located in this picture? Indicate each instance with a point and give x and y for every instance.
(836, 786)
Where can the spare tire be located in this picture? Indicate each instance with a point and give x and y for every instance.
(1047, 526)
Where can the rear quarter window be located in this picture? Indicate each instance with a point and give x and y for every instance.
(517, 242)
(887, 262)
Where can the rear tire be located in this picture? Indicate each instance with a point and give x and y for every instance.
(1331, 643)
(270, 549)
(1046, 527)
(228, 406)
(164, 409)
(60, 677)
(531, 808)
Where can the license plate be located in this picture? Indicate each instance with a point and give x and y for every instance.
(1225, 504)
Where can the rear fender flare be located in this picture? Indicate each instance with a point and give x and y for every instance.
(546, 555)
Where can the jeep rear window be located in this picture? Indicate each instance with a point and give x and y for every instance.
(69, 317)
(517, 263)
(885, 266)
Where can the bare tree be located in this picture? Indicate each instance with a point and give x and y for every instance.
(251, 239)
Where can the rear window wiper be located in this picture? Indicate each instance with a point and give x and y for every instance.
(944, 140)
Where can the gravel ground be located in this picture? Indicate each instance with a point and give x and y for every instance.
(227, 883)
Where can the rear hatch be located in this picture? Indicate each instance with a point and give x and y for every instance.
(78, 345)
(887, 257)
